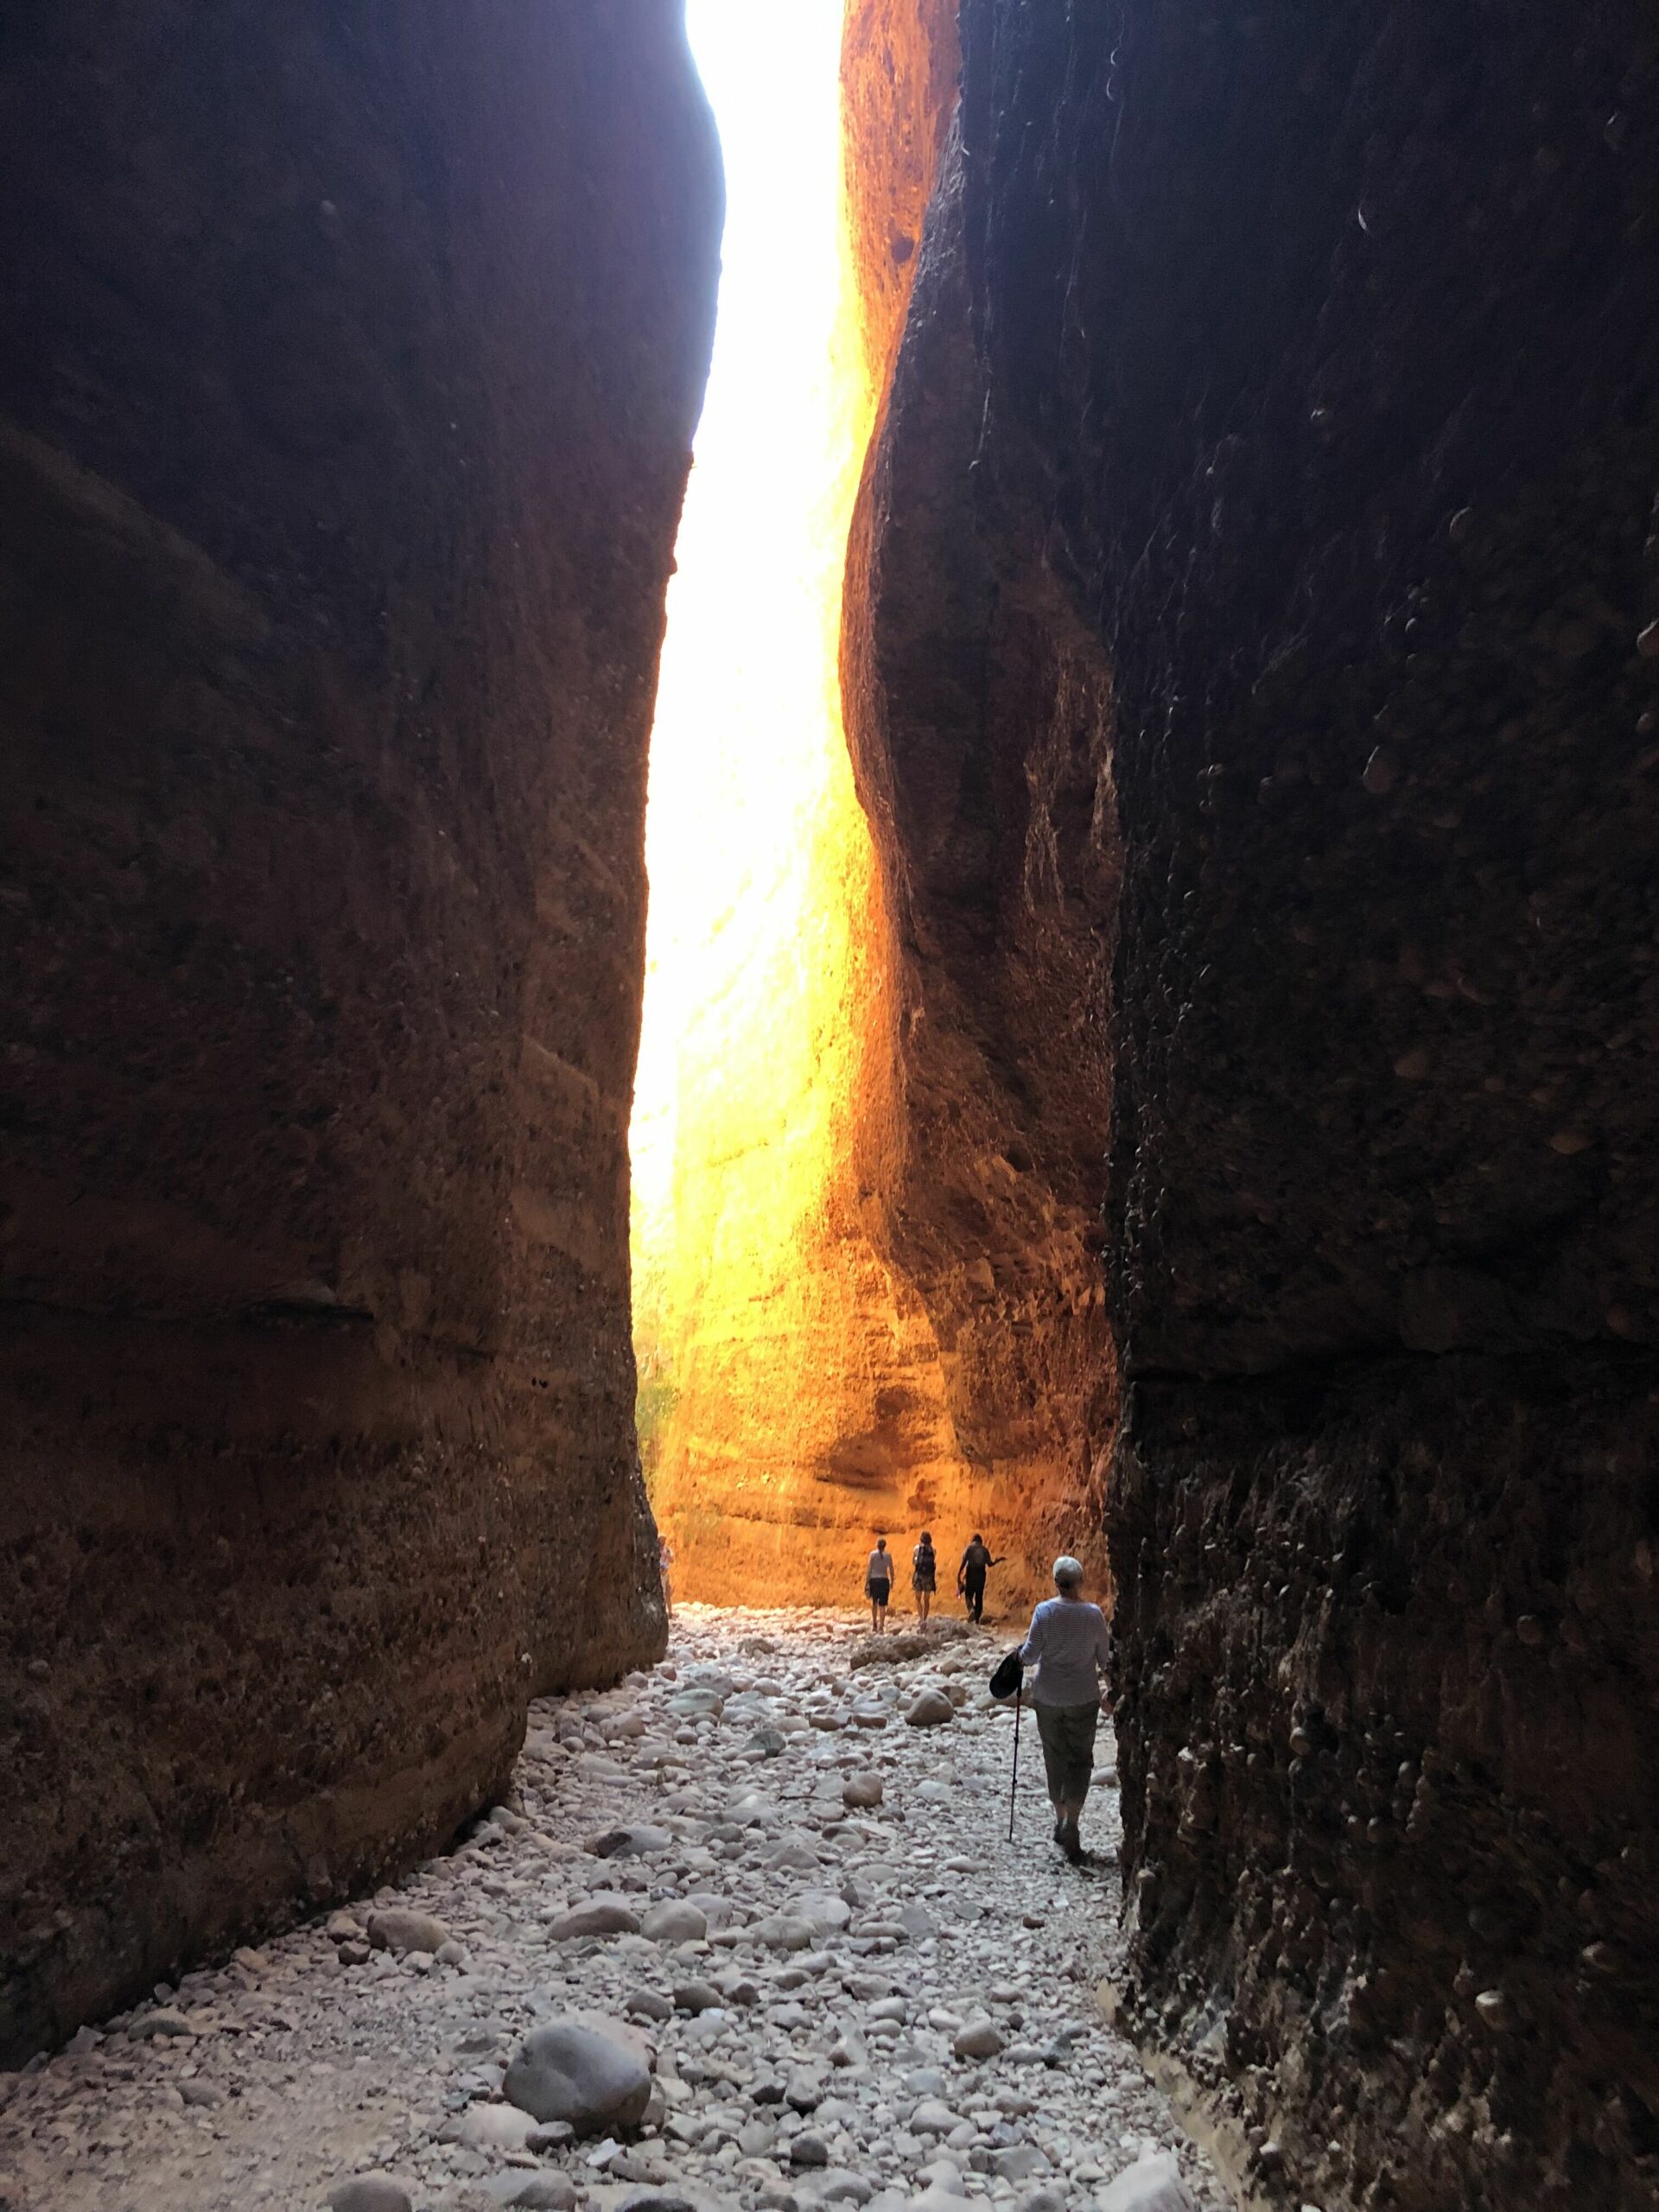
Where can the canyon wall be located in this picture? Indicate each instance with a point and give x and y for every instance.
(346, 390)
(1263, 592)
(922, 1341)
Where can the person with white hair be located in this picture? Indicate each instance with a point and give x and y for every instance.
(1070, 1647)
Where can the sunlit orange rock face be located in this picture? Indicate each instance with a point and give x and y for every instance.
(832, 1340)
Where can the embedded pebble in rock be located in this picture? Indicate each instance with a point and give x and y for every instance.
(830, 2038)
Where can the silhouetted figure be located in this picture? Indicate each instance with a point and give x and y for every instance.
(1070, 1647)
(924, 1575)
(878, 1584)
(970, 1575)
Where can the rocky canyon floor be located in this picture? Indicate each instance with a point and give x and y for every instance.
(749, 1868)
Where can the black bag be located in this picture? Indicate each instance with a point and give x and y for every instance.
(1010, 1674)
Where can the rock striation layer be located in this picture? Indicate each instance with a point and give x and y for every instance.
(346, 399)
(1283, 389)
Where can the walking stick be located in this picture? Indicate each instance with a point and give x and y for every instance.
(1018, 1703)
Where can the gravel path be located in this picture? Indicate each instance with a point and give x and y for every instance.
(844, 2001)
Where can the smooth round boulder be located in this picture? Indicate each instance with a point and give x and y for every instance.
(599, 1917)
(398, 1928)
(932, 1709)
(695, 1997)
(674, 1921)
(569, 2071)
(862, 1789)
(979, 2038)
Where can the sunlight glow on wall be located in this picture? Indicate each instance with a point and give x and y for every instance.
(763, 882)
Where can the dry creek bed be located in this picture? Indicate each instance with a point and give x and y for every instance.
(851, 2003)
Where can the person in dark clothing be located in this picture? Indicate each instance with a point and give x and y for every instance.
(970, 1575)
(924, 1578)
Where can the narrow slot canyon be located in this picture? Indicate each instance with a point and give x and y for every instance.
(783, 773)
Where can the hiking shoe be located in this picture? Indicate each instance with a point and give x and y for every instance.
(1060, 1833)
(1071, 1842)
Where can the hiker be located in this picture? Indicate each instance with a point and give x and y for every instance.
(1069, 1644)
(924, 1575)
(970, 1575)
(665, 1569)
(878, 1585)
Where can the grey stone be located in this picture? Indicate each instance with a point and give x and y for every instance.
(781, 1932)
(696, 1996)
(675, 1920)
(931, 1710)
(698, 1705)
(550, 2135)
(839, 2185)
(864, 1789)
(490, 2127)
(398, 1929)
(570, 2071)
(599, 1917)
(630, 1843)
(1019, 2161)
(531, 2192)
(980, 2038)
(752, 1810)
(807, 2149)
(164, 2021)
(824, 1913)
(648, 2004)
(794, 1855)
(1152, 2183)
(370, 2193)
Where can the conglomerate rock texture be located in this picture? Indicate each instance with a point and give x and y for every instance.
(346, 388)
(1280, 382)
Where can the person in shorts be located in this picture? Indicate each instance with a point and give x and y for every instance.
(924, 1575)
(878, 1585)
(1070, 1647)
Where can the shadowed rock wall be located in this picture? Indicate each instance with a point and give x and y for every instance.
(347, 388)
(1295, 371)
